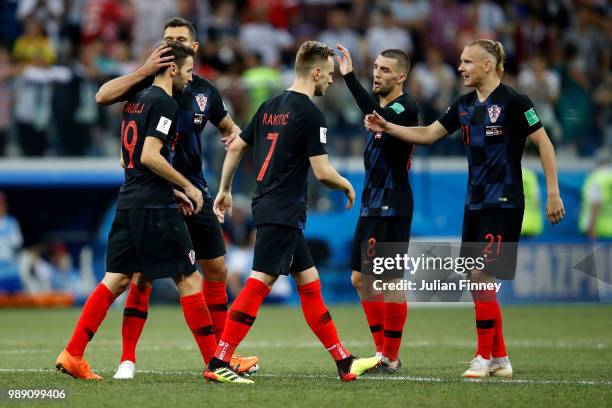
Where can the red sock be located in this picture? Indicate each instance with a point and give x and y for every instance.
(499, 347)
(374, 309)
(92, 315)
(320, 321)
(241, 317)
(198, 319)
(395, 317)
(485, 304)
(215, 294)
(134, 319)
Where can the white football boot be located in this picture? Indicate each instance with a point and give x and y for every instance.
(125, 371)
(500, 367)
(479, 368)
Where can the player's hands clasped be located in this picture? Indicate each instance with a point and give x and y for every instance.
(184, 203)
(156, 61)
(554, 208)
(195, 195)
(223, 203)
(375, 122)
(345, 63)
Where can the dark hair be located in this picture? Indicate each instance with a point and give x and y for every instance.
(402, 59)
(310, 54)
(494, 48)
(179, 51)
(181, 22)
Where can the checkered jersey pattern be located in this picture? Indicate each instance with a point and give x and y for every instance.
(494, 133)
(386, 159)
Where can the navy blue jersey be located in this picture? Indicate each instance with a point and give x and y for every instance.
(285, 132)
(150, 113)
(199, 103)
(494, 133)
(386, 191)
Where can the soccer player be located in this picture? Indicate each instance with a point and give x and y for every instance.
(201, 102)
(386, 201)
(495, 122)
(148, 234)
(288, 134)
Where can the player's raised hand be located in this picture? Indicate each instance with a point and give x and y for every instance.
(375, 122)
(195, 195)
(554, 208)
(345, 63)
(223, 203)
(156, 61)
(184, 203)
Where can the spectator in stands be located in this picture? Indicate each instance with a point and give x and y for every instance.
(603, 100)
(575, 105)
(147, 17)
(74, 102)
(260, 80)
(491, 18)
(33, 46)
(446, 17)
(259, 36)
(592, 53)
(33, 95)
(49, 12)
(596, 211)
(385, 34)
(11, 241)
(65, 277)
(432, 83)
(7, 71)
(532, 38)
(338, 30)
(543, 86)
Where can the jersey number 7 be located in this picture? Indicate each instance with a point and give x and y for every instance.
(262, 172)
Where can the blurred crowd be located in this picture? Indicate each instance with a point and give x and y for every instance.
(54, 54)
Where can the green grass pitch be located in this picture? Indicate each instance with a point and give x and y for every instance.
(562, 356)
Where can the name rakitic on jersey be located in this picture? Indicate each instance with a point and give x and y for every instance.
(275, 119)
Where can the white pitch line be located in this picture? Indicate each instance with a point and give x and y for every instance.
(366, 378)
(111, 345)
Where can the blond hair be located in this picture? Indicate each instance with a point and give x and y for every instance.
(496, 49)
(310, 54)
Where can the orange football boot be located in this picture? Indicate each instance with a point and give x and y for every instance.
(75, 367)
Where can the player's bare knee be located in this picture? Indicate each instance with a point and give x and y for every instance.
(264, 277)
(480, 276)
(356, 280)
(140, 281)
(188, 285)
(117, 283)
(214, 271)
(306, 276)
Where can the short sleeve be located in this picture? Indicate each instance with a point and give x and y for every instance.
(161, 118)
(450, 118)
(139, 87)
(316, 133)
(526, 119)
(405, 113)
(217, 108)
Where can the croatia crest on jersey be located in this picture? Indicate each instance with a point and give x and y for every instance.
(201, 99)
(494, 112)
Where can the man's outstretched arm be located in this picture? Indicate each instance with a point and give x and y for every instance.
(115, 90)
